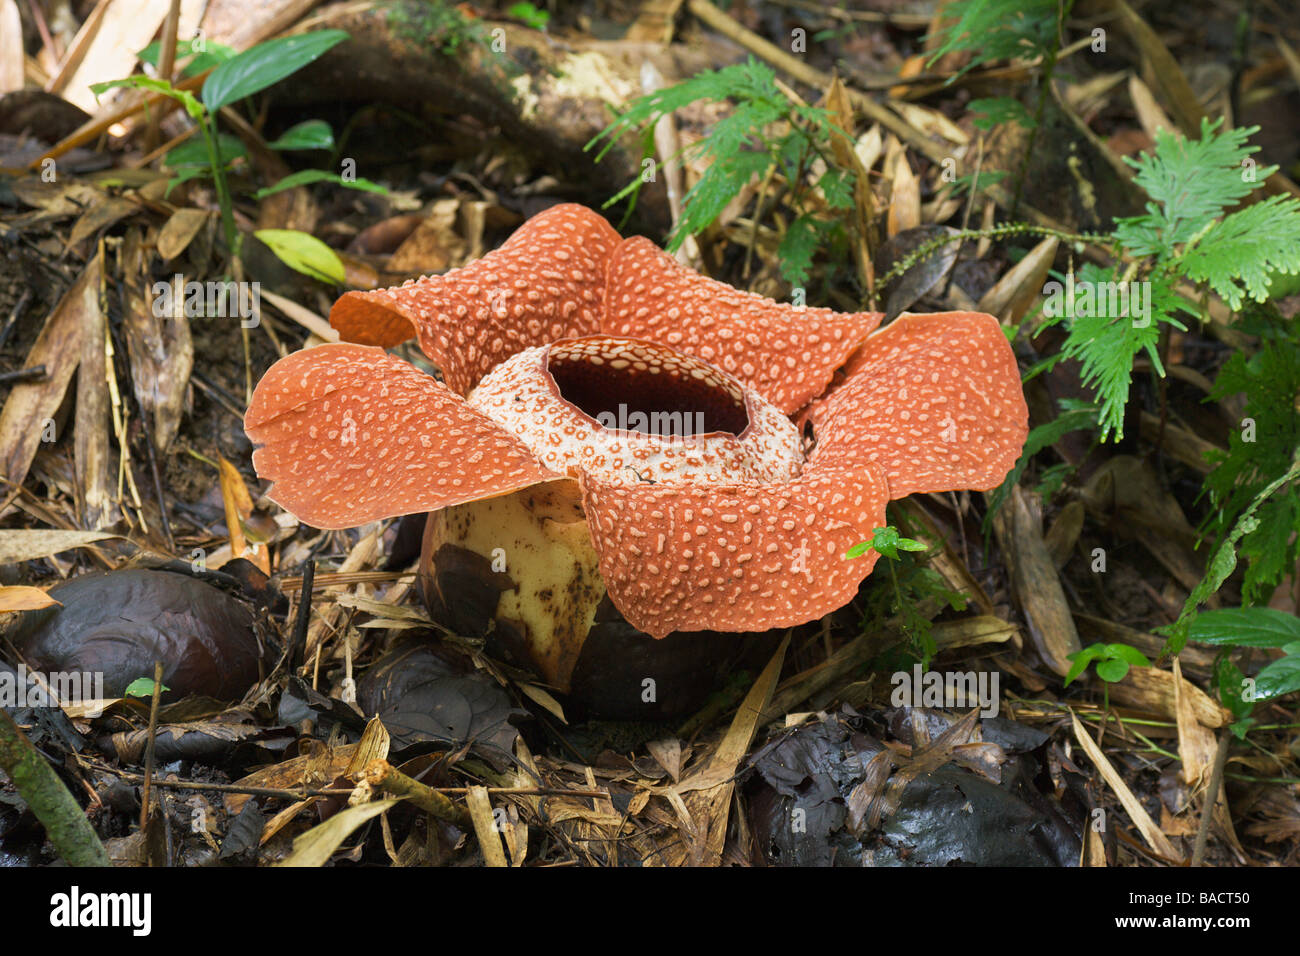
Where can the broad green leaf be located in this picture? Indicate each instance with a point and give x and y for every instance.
(1245, 627)
(1278, 678)
(305, 176)
(1232, 685)
(304, 253)
(1123, 652)
(1081, 659)
(309, 134)
(1112, 671)
(265, 65)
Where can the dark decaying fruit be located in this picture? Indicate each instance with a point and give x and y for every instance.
(117, 624)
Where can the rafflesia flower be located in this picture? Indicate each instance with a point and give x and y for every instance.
(638, 414)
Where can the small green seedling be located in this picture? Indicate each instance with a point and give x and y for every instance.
(1113, 662)
(887, 541)
(918, 584)
(143, 687)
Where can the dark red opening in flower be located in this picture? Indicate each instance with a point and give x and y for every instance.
(643, 395)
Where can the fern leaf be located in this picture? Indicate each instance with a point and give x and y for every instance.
(1191, 182)
(1238, 254)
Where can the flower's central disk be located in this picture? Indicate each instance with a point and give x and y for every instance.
(630, 411)
(631, 387)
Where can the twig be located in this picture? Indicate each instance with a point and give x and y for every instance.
(289, 793)
(149, 745)
(166, 66)
(304, 613)
(331, 579)
(382, 775)
(14, 313)
(927, 249)
(35, 373)
(1211, 797)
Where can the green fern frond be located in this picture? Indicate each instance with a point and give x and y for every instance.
(1191, 182)
(1238, 255)
(1104, 337)
(997, 30)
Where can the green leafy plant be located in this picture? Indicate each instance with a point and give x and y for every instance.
(993, 30)
(912, 585)
(530, 15)
(235, 77)
(1223, 560)
(766, 134)
(1259, 451)
(1185, 233)
(1112, 662)
(1251, 627)
(143, 687)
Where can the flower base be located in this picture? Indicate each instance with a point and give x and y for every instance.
(519, 570)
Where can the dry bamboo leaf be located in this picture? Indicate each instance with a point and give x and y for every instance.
(1091, 95)
(971, 631)
(869, 147)
(654, 22)
(239, 506)
(1016, 291)
(373, 745)
(709, 807)
(905, 200)
(489, 839)
(317, 845)
(179, 231)
(1173, 82)
(90, 447)
(1036, 583)
(1292, 58)
(292, 773)
(305, 317)
(1153, 691)
(837, 100)
(11, 48)
(1064, 533)
(932, 123)
(100, 216)
(540, 696)
(1093, 851)
(30, 545)
(104, 49)
(28, 415)
(161, 352)
(1196, 743)
(668, 754)
(278, 822)
(1141, 819)
(1149, 113)
(24, 598)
